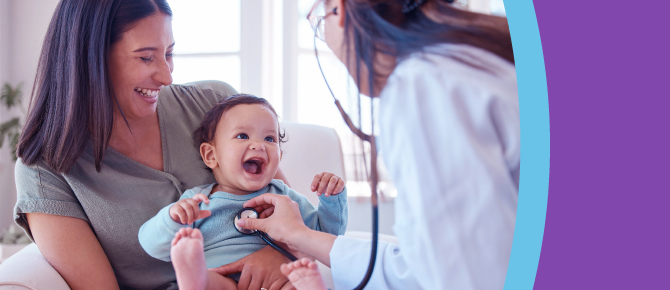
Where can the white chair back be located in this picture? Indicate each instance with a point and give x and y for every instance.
(310, 150)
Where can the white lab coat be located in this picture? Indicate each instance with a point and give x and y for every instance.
(450, 138)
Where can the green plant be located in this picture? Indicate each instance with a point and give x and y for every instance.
(10, 130)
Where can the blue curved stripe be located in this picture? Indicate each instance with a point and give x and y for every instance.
(534, 110)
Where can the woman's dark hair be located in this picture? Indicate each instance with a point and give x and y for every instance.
(72, 99)
(205, 133)
(380, 26)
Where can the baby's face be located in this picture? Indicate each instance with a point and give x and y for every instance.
(246, 148)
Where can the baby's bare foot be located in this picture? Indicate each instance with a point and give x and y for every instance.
(188, 259)
(303, 274)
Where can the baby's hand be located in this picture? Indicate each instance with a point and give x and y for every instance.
(327, 183)
(186, 211)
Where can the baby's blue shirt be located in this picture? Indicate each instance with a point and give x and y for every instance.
(222, 242)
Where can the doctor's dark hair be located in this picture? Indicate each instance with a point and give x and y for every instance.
(388, 27)
(72, 99)
(207, 130)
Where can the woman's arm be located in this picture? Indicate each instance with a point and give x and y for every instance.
(70, 246)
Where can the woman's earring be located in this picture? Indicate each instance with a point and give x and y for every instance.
(335, 10)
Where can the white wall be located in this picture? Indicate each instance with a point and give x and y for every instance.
(23, 24)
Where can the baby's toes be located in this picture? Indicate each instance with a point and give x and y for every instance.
(312, 265)
(183, 232)
(196, 234)
(304, 262)
(285, 269)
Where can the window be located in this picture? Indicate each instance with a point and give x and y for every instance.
(200, 52)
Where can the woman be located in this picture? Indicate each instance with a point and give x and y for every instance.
(449, 118)
(107, 143)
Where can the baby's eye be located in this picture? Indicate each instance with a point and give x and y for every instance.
(270, 139)
(242, 136)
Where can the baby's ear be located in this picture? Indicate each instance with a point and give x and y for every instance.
(207, 154)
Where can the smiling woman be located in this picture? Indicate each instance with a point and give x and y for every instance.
(108, 143)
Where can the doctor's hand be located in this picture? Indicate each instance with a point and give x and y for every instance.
(280, 218)
(327, 183)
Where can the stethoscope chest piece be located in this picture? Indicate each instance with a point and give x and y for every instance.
(246, 212)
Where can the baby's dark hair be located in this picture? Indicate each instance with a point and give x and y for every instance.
(207, 129)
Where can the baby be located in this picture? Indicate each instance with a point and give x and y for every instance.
(239, 141)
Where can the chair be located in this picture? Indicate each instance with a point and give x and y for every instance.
(310, 150)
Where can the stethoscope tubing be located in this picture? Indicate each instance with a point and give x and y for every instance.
(264, 236)
(373, 176)
(270, 242)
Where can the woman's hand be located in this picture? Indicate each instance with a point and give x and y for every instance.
(260, 269)
(280, 218)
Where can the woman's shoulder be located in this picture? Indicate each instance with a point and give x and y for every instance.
(23, 171)
(200, 92)
(191, 101)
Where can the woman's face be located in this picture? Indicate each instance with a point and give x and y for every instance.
(140, 64)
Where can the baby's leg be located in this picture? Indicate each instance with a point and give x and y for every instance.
(188, 260)
(303, 274)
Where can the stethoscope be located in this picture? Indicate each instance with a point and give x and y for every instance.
(373, 165)
(251, 213)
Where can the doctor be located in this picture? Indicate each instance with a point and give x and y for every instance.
(450, 137)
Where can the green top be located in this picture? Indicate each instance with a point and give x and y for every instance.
(125, 194)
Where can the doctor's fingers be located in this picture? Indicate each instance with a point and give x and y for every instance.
(266, 212)
(254, 224)
(263, 207)
(267, 199)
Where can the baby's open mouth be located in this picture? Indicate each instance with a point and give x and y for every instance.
(254, 165)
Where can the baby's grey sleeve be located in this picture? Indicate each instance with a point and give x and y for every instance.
(39, 189)
(331, 216)
(156, 234)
